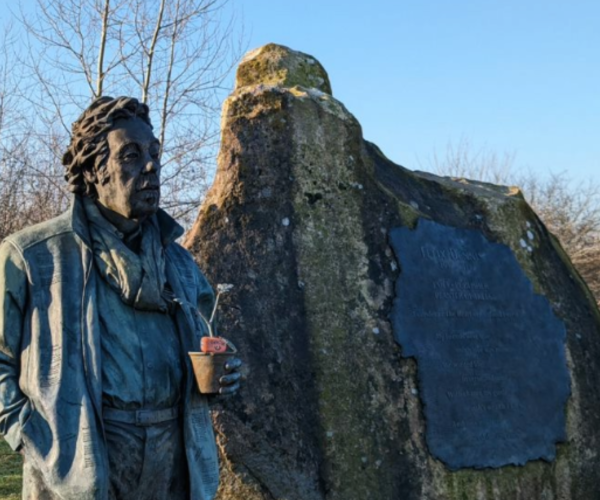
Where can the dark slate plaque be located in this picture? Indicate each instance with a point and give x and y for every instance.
(490, 352)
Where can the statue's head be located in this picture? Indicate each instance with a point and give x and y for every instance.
(113, 157)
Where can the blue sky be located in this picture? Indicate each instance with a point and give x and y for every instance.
(511, 76)
(517, 76)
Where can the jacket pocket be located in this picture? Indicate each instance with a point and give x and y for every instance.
(36, 434)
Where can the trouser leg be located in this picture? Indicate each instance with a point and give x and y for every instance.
(147, 463)
(125, 446)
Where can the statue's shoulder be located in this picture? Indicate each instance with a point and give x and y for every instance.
(186, 265)
(180, 256)
(43, 233)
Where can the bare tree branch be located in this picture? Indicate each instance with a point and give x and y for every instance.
(151, 50)
(100, 77)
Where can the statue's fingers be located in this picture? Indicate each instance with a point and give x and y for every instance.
(229, 389)
(233, 364)
(230, 379)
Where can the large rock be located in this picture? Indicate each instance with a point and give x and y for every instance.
(299, 220)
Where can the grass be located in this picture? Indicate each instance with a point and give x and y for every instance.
(11, 466)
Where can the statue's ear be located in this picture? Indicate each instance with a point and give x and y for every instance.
(67, 158)
(90, 176)
(101, 175)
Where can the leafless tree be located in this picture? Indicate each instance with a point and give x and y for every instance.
(174, 55)
(28, 192)
(570, 210)
(464, 161)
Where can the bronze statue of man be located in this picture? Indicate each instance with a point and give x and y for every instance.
(98, 309)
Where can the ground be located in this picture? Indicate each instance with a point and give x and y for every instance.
(10, 473)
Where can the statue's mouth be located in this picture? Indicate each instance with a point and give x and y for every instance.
(148, 183)
(150, 194)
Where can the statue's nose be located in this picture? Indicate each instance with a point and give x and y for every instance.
(150, 166)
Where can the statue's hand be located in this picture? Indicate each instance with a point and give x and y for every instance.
(230, 382)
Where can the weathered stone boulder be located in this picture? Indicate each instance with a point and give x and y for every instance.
(299, 220)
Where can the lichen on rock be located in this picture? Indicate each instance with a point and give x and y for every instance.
(278, 65)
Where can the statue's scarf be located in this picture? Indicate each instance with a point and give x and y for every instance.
(138, 279)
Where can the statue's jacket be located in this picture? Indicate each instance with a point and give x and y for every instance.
(51, 366)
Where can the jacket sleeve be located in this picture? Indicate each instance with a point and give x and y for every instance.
(13, 297)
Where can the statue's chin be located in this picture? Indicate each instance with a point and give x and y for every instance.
(144, 212)
(147, 203)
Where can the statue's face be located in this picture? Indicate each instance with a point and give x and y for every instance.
(133, 168)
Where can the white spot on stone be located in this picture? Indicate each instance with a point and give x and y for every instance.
(251, 55)
(393, 265)
(327, 102)
(363, 460)
(414, 392)
(523, 243)
(301, 284)
(226, 220)
(529, 248)
(528, 224)
(479, 217)
(578, 336)
(530, 235)
(376, 331)
(285, 221)
(414, 204)
(330, 434)
(378, 463)
(383, 230)
(319, 94)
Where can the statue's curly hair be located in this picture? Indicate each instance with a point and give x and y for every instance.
(85, 158)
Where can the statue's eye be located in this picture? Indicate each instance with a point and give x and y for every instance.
(130, 156)
(155, 154)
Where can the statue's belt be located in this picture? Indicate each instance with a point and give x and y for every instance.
(142, 418)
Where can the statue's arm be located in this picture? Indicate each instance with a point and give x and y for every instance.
(13, 298)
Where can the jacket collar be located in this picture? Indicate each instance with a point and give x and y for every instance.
(170, 230)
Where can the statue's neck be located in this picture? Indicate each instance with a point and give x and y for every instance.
(123, 224)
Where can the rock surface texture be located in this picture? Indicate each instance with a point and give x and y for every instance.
(298, 219)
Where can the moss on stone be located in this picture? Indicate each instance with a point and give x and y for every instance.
(277, 65)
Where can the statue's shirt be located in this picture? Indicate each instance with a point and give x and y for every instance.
(141, 359)
(141, 355)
